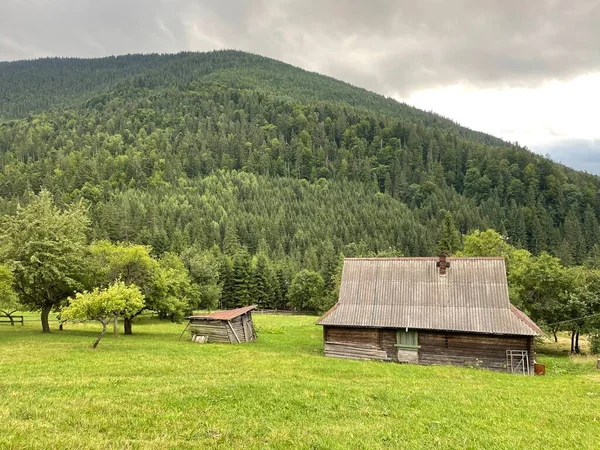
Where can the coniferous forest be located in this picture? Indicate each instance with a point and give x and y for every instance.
(253, 171)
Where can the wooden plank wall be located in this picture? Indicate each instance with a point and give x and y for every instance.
(359, 343)
(461, 349)
(473, 350)
(221, 331)
(216, 330)
(248, 327)
(238, 327)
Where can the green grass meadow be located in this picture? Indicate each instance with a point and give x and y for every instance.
(151, 391)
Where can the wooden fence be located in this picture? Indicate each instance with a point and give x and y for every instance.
(288, 312)
(13, 319)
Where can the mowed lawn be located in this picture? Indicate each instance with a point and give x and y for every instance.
(151, 391)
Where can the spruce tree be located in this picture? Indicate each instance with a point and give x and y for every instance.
(226, 281)
(262, 283)
(241, 278)
(449, 241)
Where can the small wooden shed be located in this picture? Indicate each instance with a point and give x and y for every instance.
(230, 326)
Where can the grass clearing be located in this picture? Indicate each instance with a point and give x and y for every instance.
(151, 391)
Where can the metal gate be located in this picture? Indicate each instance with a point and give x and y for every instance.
(517, 361)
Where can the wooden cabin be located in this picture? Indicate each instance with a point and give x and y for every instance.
(429, 311)
(231, 326)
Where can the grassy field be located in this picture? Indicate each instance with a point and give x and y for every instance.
(151, 391)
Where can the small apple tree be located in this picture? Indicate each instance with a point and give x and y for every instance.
(104, 305)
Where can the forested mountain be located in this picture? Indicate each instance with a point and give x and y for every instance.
(197, 150)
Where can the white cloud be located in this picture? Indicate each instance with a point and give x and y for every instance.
(537, 117)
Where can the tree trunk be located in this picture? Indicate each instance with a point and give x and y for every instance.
(572, 342)
(116, 326)
(577, 350)
(45, 323)
(101, 335)
(555, 336)
(127, 325)
(10, 317)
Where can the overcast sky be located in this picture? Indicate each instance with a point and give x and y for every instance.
(523, 70)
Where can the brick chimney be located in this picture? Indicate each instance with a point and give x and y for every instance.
(443, 264)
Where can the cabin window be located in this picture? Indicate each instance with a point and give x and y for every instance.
(407, 339)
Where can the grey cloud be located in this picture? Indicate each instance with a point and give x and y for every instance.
(384, 45)
(579, 154)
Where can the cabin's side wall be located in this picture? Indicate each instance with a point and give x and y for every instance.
(238, 328)
(250, 325)
(247, 327)
(472, 350)
(216, 330)
(359, 343)
(436, 347)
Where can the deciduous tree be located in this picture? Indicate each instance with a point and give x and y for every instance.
(306, 291)
(44, 247)
(104, 305)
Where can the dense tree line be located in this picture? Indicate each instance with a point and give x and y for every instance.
(48, 264)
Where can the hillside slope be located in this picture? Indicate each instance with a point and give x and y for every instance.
(151, 140)
(33, 86)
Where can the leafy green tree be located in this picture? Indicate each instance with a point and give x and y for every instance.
(203, 267)
(491, 243)
(175, 292)
(544, 291)
(582, 304)
(104, 305)
(306, 291)
(45, 248)
(9, 302)
(132, 264)
(164, 283)
(486, 243)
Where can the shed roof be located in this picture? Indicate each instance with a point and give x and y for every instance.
(224, 315)
(411, 293)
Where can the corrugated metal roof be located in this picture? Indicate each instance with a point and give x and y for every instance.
(224, 315)
(410, 293)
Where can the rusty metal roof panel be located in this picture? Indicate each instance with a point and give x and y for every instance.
(224, 315)
(411, 293)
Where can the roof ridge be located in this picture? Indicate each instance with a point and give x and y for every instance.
(421, 258)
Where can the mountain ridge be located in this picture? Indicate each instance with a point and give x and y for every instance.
(19, 68)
